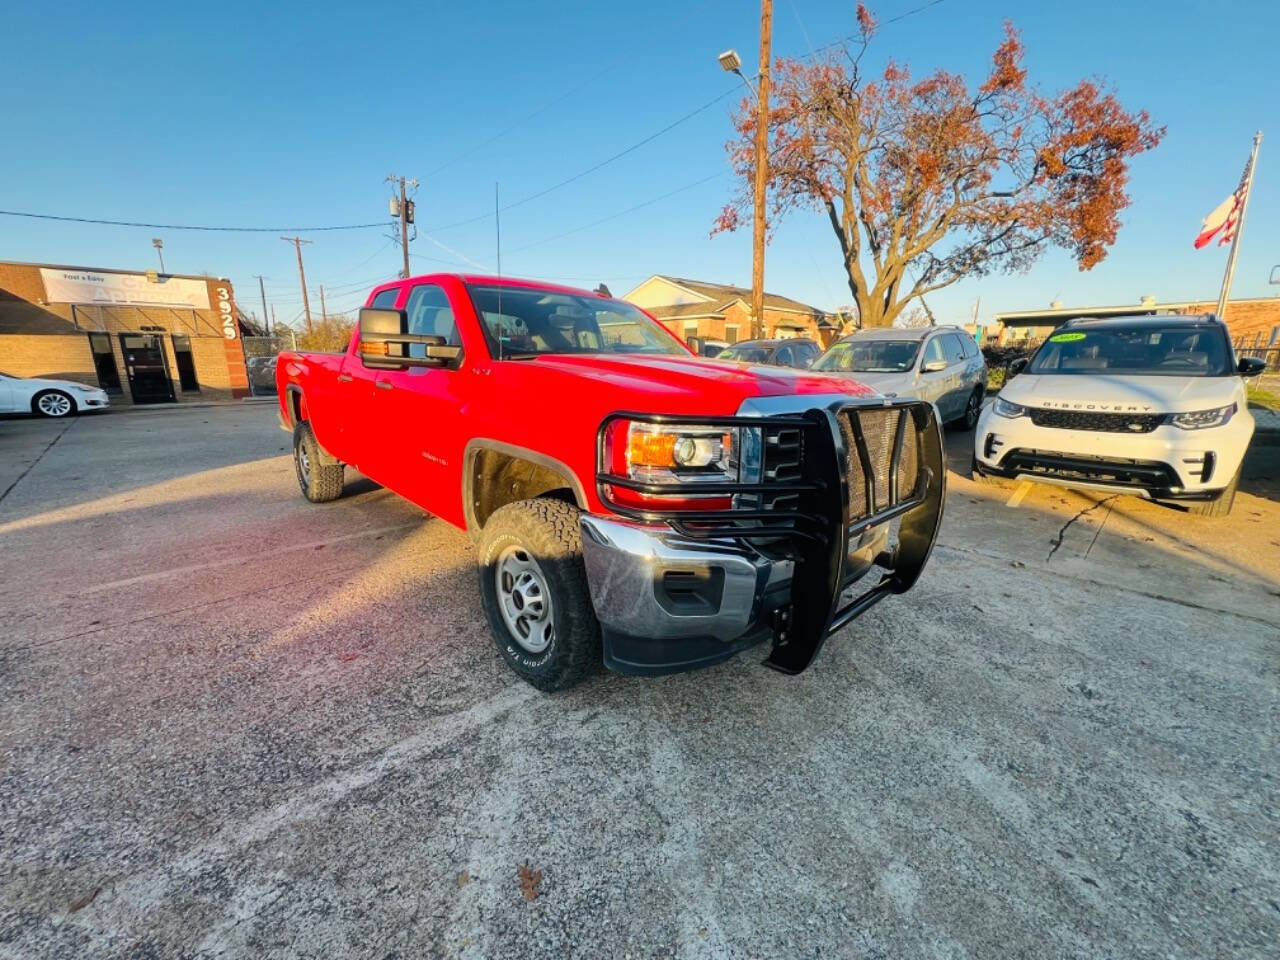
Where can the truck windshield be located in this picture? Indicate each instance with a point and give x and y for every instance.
(526, 323)
(869, 356)
(1146, 351)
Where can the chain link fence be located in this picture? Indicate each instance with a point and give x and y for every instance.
(260, 360)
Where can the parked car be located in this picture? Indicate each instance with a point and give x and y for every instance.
(795, 352)
(1152, 406)
(49, 398)
(630, 502)
(940, 364)
(705, 347)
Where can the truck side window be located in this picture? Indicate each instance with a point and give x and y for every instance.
(386, 300)
(951, 346)
(430, 314)
(969, 345)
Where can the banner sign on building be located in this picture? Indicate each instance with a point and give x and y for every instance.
(123, 289)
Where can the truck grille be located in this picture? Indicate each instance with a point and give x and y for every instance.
(1099, 422)
(783, 452)
(880, 430)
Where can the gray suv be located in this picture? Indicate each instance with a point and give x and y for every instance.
(940, 364)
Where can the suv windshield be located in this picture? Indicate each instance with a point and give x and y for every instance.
(525, 323)
(745, 353)
(1172, 351)
(869, 356)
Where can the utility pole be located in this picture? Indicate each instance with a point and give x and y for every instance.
(404, 210)
(302, 276)
(1225, 295)
(324, 314)
(762, 172)
(159, 245)
(263, 290)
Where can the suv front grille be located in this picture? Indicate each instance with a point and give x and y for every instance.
(1098, 422)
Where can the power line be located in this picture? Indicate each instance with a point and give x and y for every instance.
(613, 64)
(592, 169)
(623, 213)
(176, 226)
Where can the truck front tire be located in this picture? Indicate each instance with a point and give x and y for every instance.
(320, 481)
(533, 585)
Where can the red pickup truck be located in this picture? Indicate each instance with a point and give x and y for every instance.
(630, 501)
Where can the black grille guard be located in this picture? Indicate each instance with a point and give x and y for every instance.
(818, 533)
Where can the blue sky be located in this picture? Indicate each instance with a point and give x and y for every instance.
(276, 115)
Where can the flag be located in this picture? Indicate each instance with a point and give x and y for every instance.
(1226, 215)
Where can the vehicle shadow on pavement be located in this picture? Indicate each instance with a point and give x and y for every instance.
(317, 743)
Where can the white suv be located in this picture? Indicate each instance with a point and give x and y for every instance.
(1154, 406)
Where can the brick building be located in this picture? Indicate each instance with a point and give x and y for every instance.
(717, 311)
(141, 336)
(1252, 323)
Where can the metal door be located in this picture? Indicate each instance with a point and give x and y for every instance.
(148, 371)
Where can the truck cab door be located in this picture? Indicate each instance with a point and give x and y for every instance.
(362, 440)
(421, 406)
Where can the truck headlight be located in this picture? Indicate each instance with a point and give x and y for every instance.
(1199, 419)
(1007, 408)
(672, 452)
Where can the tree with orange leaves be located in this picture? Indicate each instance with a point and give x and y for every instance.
(926, 182)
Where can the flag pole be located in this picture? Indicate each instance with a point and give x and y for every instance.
(1239, 229)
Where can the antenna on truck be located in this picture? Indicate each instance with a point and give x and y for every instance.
(497, 230)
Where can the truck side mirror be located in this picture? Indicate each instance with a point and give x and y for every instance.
(1017, 366)
(1251, 366)
(695, 344)
(933, 366)
(384, 344)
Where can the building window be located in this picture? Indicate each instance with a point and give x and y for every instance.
(731, 333)
(186, 364)
(104, 361)
(690, 329)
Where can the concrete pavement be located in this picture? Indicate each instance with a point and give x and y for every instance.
(236, 724)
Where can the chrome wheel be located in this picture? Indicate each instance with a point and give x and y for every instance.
(54, 404)
(524, 599)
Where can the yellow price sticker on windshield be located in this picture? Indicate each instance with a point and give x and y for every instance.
(1066, 337)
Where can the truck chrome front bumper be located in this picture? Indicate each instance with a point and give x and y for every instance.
(668, 604)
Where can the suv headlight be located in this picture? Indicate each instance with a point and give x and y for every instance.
(1199, 419)
(1007, 408)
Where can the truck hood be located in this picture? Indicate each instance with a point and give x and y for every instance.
(1121, 394)
(670, 380)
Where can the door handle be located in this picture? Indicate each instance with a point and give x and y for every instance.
(345, 378)
(383, 384)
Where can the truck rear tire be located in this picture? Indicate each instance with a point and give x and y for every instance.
(1219, 506)
(533, 585)
(320, 482)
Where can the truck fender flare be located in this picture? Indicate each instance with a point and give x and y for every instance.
(295, 403)
(478, 445)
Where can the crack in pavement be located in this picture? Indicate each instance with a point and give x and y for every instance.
(1062, 534)
(22, 476)
(1111, 585)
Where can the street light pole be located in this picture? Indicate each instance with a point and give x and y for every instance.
(159, 245)
(732, 63)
